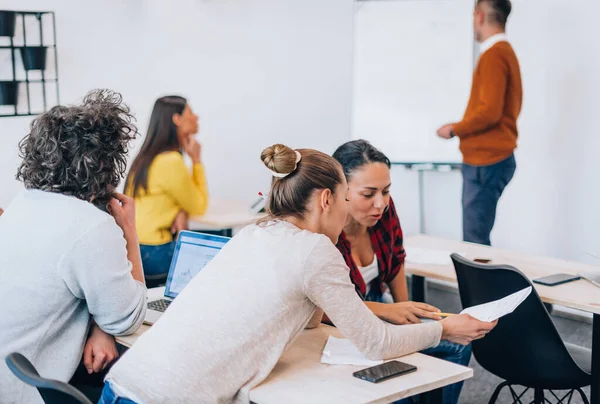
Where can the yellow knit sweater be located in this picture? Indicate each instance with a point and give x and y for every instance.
(170, 189)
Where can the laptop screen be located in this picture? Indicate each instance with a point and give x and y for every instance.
(192, 252)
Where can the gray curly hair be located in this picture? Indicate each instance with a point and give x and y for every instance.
(79, 150)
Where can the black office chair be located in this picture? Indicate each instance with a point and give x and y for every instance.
(524, 348)
(52, 391)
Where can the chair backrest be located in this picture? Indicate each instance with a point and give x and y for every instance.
(525, 347)
(52, 391)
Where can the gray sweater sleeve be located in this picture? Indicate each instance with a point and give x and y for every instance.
(96, 270)
(327, 284)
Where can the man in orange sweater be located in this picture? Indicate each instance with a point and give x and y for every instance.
(488, 131)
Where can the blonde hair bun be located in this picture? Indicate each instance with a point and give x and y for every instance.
(279, 158)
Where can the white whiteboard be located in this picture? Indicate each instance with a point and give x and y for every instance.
(413, 64)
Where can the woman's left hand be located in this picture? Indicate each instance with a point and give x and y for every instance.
(180, 223)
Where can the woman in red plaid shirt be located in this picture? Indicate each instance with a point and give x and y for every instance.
(371, 244)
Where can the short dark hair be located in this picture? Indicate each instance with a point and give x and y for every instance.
(79, 150)
(500, 10)
(357, 153)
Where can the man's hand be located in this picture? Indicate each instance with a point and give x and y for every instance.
(408, 313)
(445, 132)
(100, 350)
(122, 208)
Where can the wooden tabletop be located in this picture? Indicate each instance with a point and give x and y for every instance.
(580, 294)
(224, 214)
(129, 340)
(300, 377)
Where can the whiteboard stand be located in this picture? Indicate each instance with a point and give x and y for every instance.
(421, 168)
(418, 286)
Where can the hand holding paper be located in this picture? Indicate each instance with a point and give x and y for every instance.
(464, 330)
(481, 319)
(498, 308)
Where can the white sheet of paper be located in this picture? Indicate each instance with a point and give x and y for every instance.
(339, 351)
(494, 310)
(428, 256)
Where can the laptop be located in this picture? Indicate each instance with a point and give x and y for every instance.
(593, 277)
(192, 252)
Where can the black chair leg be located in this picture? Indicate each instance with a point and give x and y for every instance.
(538, 396)
(497, 392)
(583, 396)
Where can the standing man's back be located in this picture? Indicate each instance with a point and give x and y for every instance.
(488, 132)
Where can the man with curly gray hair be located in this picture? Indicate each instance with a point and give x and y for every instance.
(70, 262)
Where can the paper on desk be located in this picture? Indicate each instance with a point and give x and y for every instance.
(498, 308)
(428, 256)
(340, 351)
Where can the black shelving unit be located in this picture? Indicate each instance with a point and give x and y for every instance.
(30, 55)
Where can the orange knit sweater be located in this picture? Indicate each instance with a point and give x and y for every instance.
(488, 131)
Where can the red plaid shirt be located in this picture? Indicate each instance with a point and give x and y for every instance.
(386, 238)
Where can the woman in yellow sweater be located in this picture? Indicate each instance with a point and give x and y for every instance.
(164, 190)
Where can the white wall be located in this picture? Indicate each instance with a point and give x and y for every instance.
(257, 72)
(263, 71)
(551, 207)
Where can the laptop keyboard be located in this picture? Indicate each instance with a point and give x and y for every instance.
(159, 305)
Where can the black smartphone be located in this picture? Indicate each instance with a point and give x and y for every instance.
(384, 371)
(557, 279)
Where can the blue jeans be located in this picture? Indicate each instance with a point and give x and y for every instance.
(156, 259)
(482, 188)
(456, 353)
(452, 352)
(109, 397)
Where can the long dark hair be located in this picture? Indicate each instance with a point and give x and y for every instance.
(357, 153)
(161, 137)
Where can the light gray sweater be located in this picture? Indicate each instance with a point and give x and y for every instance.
(62, 260)
(225, 332)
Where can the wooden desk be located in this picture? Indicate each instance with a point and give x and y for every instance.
(129, 340)
(300, 377)
(581, 295)
(224, 215)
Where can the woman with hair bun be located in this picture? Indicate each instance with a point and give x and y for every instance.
(279, 274)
